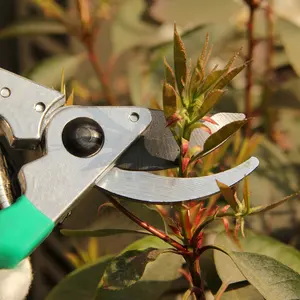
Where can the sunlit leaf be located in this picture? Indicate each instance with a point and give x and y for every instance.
(228, 77)
(48, 72)
(179, 61)
(228, 195)
(274, 280)
(246, 291)
(187, 295)
(211, 80)
(217, 138)
(50, 8)
(32, 27)
(70, 100)
(169, 100)
(232, 60)
(210, 102)
(289, 34)
(100, 232)
(75, 260)
(93, 249)
(254, 243)
(169, 74)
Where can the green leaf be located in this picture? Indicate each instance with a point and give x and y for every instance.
(248, 292)
(220, 136)
(179, 61)
(128, 30)
(127, 268)
(229, 76)
(50, 8)
(169, 74)
(100, 232)
(169, 100)
(254, 243)
(210, 102)
(32, 27)
(264, 208)
(210, 80)
(228, 195)
(48, 72)
(157, 278)
(187, 295)
(271, 278)
(289, 35)
(80, 284)
(232, 60)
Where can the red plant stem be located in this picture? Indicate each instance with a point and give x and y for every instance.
(149, 227)
(269, 122)
(270, 30)
(194, 268)
(249, 72)
(103, 79)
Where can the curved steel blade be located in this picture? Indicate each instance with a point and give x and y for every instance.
(156, 148)
(147, 187)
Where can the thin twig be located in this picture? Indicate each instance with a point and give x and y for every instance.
(249, 73)
(102, 77)
(269, 122)
(149, 227)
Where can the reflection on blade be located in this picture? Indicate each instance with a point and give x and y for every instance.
(148, 187)
(157, 149)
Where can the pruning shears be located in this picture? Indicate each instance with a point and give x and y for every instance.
(111, 148)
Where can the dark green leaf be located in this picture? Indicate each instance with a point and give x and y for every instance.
(157, 277)
(179, 61)
(80, 284)
(229, 76)
(254, 243)
(48, 72)
(100, 232)
(289, 34)
(169, 100)
(271, 278)
(32, 27)
(169, 74)
(127, 268)
(210, 102)
(219, 137)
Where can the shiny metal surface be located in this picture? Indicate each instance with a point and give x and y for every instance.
(148, 187)
(5, 186)
(54, 182)
(21, 122)
(156, 149)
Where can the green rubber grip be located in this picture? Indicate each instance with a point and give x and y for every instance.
(22, 229)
